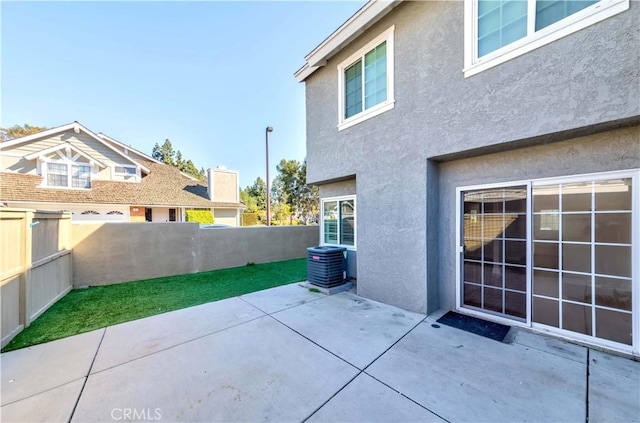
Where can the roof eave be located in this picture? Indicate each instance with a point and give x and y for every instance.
(369, 14)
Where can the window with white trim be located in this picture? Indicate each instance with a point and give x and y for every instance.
(68, 175)
(125, 170)
(338, 226)
(499, 30)
(365, 81)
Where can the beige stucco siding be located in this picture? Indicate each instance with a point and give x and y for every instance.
(17, 164)
(226, 216)
(225, 186)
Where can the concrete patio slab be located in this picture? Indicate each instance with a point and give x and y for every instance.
(131, 340)
(465, 377)
(614, 388)
(353, 328)
(36, 369)
(367, 400)
(55, 405)
(552, 345)
(257, 371)
(281, 298)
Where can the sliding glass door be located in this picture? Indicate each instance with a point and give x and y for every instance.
(557, 254)
(494, 270)
(582, 257)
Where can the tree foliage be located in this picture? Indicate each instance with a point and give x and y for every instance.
(17, 131)
(166, 154)
(290, 188)
(257, 192)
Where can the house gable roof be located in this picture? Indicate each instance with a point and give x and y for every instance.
(363, 19)
(137, 152)
(164, 186)
(77, 128)
(63, 146)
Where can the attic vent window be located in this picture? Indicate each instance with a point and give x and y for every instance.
(89, 212)
(125, 170)
(115, 212)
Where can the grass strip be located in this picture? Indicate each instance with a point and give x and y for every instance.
(84, 310)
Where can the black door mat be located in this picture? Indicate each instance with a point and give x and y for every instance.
(490, 330)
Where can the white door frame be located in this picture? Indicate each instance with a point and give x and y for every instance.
(634, 174)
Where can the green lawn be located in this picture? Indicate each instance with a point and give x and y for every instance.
(83, 310)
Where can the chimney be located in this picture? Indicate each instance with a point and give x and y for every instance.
(210, 183)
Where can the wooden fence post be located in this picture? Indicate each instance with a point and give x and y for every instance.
(28, 261)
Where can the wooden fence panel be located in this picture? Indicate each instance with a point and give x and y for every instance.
(35, 265)
(10, 302)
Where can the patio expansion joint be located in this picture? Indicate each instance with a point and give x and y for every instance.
(586, 399)
(42, 392)
(576, 360)
(282, 309)
(86, 378)
(180, 343)
(363, 371)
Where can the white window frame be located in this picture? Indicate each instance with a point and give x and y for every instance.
(355, 221)
(129, 177)
(534, 39)
(44, 166)
(115, 169)
(634, 174)
(359, 55)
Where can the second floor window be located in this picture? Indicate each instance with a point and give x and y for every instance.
(502, 22)
(68, 175)
(499, 30)
(366, 81)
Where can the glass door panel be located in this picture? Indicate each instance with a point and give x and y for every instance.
(495, 251)
(582, 258)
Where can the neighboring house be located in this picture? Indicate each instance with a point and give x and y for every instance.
(484, 156)
(100, 179)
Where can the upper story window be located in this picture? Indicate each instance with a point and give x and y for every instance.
(68, 175)
(499, 30)
(125, 170)
(338, 221)
(365, 81)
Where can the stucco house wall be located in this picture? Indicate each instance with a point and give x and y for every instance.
(582, 84)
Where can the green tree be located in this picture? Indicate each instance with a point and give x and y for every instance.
(179, 161)
(166, 154)
(17, 131)
(286, 185)
(258, 191)
(156, 153)
(280, 212)
(250, 203)
(308, 197)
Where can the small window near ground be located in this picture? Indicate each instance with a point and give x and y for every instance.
(338, 222)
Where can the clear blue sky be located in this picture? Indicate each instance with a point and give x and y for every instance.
(209, 76)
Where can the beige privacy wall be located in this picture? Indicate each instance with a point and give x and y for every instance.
(107, 253)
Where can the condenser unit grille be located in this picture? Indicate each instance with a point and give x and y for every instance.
(325, 266)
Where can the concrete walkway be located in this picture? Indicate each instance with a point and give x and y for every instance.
(289, 355)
